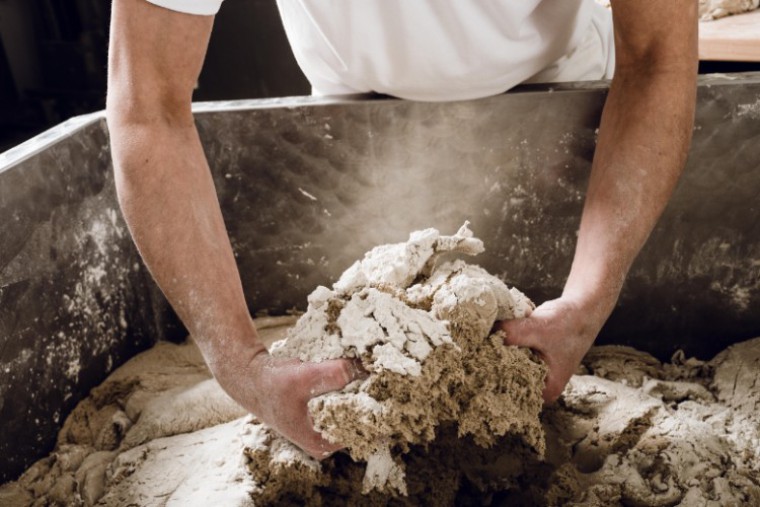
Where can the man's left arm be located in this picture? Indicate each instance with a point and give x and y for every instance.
(644, 138)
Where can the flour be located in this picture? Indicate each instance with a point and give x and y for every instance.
(714, 9)
(448, 414)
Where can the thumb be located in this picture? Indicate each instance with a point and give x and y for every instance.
(519, 332)
(334, 374)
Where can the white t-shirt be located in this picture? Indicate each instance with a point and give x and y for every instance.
(440, 49)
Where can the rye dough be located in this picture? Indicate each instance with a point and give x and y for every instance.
(448, 415)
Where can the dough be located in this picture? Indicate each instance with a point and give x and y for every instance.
(714, 9)
(423, 332)
(157, 396)
(628, 429)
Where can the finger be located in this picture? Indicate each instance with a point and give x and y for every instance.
(319, 448)
(306, 437)
(334, 374)
(519, 332)
(555, 382)
(551, 393)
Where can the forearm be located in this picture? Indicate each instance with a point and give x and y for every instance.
(163, 182)
(644, 137)
(168, 199)
(643, 141)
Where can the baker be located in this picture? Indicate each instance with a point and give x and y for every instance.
(413, 49)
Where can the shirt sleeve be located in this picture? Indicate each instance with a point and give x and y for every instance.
(199, 7)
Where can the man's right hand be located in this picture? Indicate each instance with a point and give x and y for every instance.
(277, 391)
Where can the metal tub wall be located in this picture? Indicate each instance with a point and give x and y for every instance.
(308, 185)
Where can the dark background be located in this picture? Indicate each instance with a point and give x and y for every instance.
(53, 60)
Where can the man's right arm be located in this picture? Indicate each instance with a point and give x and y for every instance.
(168, 199)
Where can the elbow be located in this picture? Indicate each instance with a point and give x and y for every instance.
(653, 64)
(127, 108)
(140, 127)
(650, 56)
(655, 40)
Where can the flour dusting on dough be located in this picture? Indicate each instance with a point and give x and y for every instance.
(421, 327)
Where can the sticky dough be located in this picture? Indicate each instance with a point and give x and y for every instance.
(448, 414)
(422, 329)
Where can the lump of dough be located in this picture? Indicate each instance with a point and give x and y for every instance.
(422, 329)
(714, 9)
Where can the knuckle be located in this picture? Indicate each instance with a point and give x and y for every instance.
(346, 371)
(339, 372)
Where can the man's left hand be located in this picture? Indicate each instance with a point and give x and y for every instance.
(561, 331)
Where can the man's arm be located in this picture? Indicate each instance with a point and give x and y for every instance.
(643, 142)
(167, 196)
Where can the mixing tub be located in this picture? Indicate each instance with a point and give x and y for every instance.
(307, 185)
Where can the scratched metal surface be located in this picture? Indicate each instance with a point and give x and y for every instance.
(307, 185)
(75, 301)
(306, 190)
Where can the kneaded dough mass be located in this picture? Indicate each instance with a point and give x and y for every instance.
(714, 9)
(447, 415)
(422, 329)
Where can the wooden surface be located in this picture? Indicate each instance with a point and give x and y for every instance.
(733, 38)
